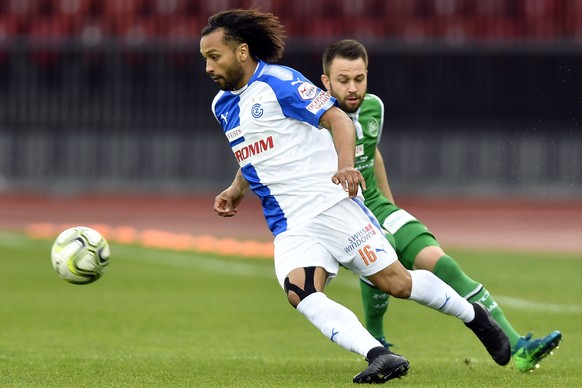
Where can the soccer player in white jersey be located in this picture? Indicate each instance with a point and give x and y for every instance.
(272, 116)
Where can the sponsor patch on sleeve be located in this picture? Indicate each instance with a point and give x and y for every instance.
(319, 101)
(307, 90)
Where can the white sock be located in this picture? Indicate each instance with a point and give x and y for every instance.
(430, 291)
(337, 323)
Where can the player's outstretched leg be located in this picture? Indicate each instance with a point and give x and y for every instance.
(491, 335)
(383, 366)
(529, 352)
(375, 304)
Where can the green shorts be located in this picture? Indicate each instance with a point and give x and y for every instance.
(410, 239)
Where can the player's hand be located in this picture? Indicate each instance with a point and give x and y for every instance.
(350, 179)
(225, 203)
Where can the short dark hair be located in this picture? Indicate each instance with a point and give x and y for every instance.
(347, 48)
(262, 32)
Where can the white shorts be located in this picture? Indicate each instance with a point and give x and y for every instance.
(346, 233)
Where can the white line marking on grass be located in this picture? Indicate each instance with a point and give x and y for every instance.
(536, 306)
(8, 239)
(194, 261)
(521, 304)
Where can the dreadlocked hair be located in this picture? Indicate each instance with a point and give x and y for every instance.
(262, 32)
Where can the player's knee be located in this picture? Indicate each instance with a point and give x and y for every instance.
(292, 297)
(295, 294)
(400, 288)
(394, 280)
(428, 257)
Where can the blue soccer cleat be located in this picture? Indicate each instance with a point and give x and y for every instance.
(529, 352)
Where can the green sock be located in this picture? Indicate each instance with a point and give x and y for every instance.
(375, 302)
(449, 271)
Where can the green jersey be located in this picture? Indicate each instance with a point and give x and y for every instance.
(369, 120)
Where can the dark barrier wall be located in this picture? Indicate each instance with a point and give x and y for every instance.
(438, 84)
(150, 88)
(476, 120)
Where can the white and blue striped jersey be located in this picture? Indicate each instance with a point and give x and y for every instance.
(272, 125)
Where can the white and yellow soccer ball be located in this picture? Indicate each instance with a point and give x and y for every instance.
(80, 255)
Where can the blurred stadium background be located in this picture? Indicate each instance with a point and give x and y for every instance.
(483, 97)
(105, 121)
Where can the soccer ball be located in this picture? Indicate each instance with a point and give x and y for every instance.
(80, 255)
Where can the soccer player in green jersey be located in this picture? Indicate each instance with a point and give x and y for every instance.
(345, 71)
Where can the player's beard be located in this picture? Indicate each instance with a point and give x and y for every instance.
(232, 78)
(349, 108)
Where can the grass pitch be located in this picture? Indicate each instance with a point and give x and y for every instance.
(170, 319)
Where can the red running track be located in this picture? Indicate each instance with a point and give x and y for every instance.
(551, 226)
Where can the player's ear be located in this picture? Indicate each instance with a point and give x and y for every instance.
(242, 52)
(325, 81)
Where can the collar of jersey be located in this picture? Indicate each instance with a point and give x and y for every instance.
(258, 69)
(355, 114)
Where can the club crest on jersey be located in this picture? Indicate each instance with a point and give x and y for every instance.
(307, 90)
(373, 126)
(257, 110)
